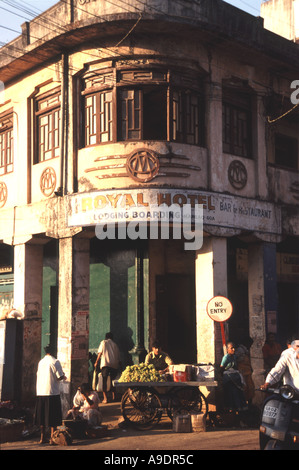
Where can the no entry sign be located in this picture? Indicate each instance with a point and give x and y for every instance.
(219, 308)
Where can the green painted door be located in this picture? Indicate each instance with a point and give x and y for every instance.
(113, 295)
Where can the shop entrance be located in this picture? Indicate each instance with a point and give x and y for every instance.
(143, 297)
(49, 333)
(175, 316)
(118, 295)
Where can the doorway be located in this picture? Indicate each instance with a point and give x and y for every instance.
(176, 316)
(54, 318)
(113, 300)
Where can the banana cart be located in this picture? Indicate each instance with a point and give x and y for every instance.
(143, 403)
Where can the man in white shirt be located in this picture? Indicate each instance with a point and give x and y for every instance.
(287, 367)
(48, 405)
(109, 357)
(86, 403)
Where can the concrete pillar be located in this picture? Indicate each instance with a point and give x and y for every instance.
(262, 298)
(73, 314)
(28, 279)
(261, 163)
(214, 130)
(210, 280)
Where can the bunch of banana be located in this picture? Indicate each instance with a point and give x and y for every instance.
(141, 373)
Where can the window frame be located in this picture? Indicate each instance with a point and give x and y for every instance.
(135, 80)
(7, 151)
(134, 108)
(191, 120)
(236, 102)
(52, 127)
(97, 118)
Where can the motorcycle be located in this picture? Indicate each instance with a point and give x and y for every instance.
(279, 428)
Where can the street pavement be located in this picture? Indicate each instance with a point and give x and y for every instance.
(161, 442)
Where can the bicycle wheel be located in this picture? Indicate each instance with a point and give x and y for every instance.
(187, 399)
(141, 408)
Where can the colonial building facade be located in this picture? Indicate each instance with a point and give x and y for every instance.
(111, 109)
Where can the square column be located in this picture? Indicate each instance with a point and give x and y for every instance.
(28, 280)
(73, 314)
(214, 129)
(210, 280)
(262, 298)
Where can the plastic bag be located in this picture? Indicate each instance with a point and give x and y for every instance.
(100, 383)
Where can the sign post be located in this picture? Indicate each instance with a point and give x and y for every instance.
(219, 309)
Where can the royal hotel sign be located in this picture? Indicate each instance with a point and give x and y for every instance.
(87, 209)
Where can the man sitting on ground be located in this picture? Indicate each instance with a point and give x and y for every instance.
(86, 402)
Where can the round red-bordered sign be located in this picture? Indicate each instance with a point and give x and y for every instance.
(219, 308)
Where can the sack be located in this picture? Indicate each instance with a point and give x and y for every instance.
(100, 383)
(61, 438)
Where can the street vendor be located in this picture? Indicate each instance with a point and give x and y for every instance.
(160, 359)
(86, 406)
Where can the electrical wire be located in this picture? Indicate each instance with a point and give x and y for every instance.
(271, 121)
(129, 32)
(177, 16)
(112, 53)
(30, 12)
(9, 2)
(34, 13)
(109, 50)
(14, 48)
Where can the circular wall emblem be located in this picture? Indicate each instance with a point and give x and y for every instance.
(142, 165)
(48, 181)
(3, 194)
(237, 174)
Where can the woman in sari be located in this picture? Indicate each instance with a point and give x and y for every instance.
(233, 382)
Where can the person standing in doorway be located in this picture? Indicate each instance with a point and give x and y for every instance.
(109, 358)
(48, 404)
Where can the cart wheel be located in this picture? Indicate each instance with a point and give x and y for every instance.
(187, 399)
(141, 408)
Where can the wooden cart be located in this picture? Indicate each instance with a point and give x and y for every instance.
(143, 403)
